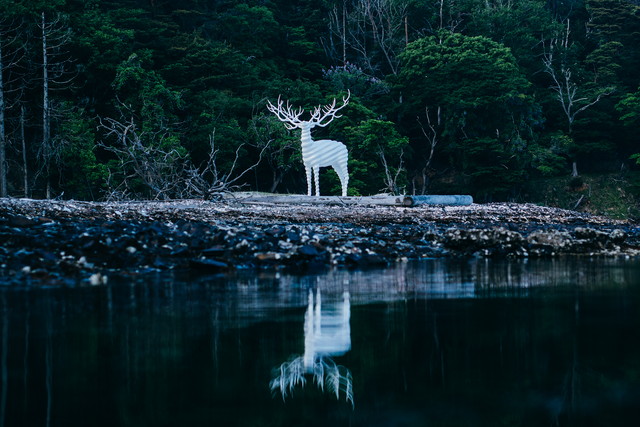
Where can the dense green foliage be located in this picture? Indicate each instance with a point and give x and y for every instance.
(164, 98)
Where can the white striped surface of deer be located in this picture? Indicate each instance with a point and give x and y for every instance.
(321, 153)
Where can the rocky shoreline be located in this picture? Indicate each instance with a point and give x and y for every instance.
(46, 243)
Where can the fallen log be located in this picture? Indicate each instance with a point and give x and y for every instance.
(380, 200)
(295, 199)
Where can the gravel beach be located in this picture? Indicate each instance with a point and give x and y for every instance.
(52, 243)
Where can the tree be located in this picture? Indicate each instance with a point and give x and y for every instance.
(144, 138)
(613, 34)
(486, 101)
(3, 140)
(250, 29)
(574, 88)
(629, 108)
(4, 30)
(281, 148)
(431, 132)
(55, 37)
(455, 77)
(144, 94)
(353, 78)
(374, 32)
(100, 43)
(80, 173)
(378, 161)
(146, 165)
(614, 27)
(12, 51)
(517, 25)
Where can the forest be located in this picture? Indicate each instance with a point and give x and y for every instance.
(165, 99)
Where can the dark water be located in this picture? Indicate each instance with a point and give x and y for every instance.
(435, 343)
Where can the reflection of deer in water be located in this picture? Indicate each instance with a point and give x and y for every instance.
(317, 154)
(326, 333)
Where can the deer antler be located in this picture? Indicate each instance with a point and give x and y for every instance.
(328, 112)
(286, 114)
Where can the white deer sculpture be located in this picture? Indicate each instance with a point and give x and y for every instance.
(321, 153)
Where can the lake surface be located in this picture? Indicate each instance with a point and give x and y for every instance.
(430, 343)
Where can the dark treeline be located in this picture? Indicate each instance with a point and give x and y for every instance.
(104, 99)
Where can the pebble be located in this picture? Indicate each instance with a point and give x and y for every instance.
(58, 249)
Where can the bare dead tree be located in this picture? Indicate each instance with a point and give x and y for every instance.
(166, 173)
(154, 166)
(391, 177)
(371, 27)
(278, 145)
(572, 98)
(210, 181)
(10, 54)
(55, 74)
(447, 18)
(23, 140)
(431, 135)
(3, 141)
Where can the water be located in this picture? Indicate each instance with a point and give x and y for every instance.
(437, 343)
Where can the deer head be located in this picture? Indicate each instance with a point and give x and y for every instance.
(321, 115)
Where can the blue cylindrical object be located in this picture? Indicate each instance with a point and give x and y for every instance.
(455, 200)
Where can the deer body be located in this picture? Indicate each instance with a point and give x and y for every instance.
(321, 153)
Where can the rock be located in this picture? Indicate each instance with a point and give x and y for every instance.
(276, 231)
(124, 238)
(21, 221)
(471, 241)
(98, 279)
(308, 251)
(214, 251)
(293, 237)
(366, 260)
(554, 240)
(590, 234)
(269, 256)
(208, 265)
(618, 236)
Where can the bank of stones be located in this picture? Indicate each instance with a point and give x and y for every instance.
(44, 242)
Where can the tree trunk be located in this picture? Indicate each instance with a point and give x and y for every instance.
(24, 152)
(3, 141)
(406, 31)
(574, 169)
(344, 34)
(46, 119)
(277, 179)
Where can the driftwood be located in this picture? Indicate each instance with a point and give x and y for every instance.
(380, 200)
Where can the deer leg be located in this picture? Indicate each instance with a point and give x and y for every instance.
(316, 176)
(345, 182)
(340, 172)
(308, 170)
(343, 174)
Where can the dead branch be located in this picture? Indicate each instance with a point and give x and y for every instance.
(166, 173)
